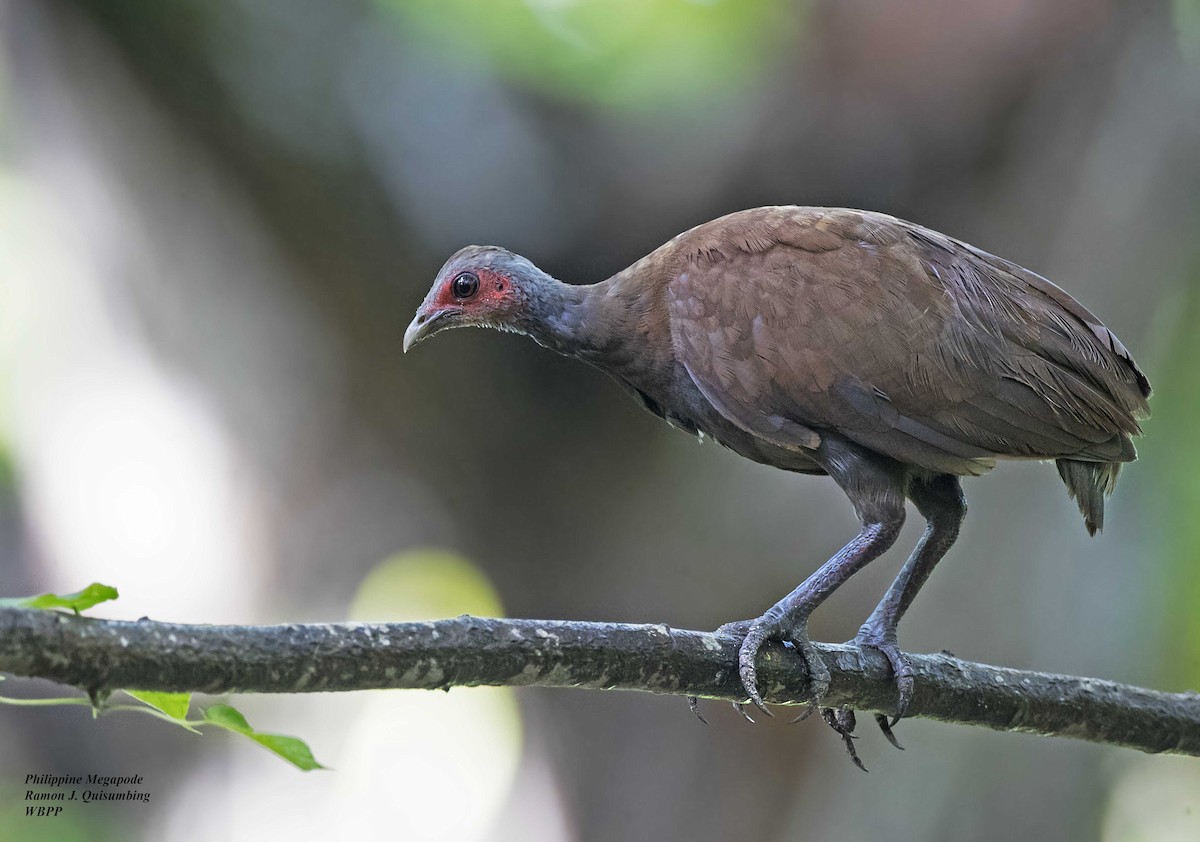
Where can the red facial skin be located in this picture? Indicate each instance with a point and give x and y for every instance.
(494, 296)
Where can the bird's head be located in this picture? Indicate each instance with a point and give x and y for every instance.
(480, 286)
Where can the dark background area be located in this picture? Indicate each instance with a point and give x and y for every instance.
(216, 219)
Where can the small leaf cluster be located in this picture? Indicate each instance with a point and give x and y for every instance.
(170, 707)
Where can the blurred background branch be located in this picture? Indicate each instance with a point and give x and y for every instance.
(105, 655)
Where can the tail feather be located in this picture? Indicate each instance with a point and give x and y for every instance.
(1089, 483)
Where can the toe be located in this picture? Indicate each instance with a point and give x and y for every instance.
(902, 672)
(746, 668)
(842, 720)
(738, 628)
(906, 686)
(819, 677)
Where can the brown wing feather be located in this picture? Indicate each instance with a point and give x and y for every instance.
(908, 342)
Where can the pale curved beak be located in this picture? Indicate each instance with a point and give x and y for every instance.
(425, 324)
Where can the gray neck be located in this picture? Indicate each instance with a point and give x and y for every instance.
(610, 325)
(579, 321)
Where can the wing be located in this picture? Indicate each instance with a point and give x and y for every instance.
(794, 321)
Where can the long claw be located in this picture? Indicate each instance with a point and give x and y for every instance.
(807, 713)
(846, 740)
(694, 707)
(885, 644)
(762, 706)
(746, 668)
(741, 708)
(882, 722)
(842, 720)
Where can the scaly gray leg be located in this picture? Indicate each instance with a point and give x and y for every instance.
(940, 500)
(875, 485)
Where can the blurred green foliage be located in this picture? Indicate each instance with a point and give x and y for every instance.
(428, 584)
(424, 584)
(1174, 453)
(1187, 25)
(70, 826)
(616, 52)
(453, 755)
(7, 468)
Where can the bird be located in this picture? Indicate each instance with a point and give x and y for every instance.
(893, 359)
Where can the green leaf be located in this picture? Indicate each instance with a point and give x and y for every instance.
(291, 749)
(93, 594)
(174, 705)
(228, 717)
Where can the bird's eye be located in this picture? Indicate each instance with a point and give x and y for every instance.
(465, 285)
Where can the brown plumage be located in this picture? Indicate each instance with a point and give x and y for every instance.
(912, 344)
(841, 342)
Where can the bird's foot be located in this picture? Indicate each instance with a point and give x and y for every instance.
(842, 720)
(737, 629)
(882, 639)
(754, 633)
(770, 627)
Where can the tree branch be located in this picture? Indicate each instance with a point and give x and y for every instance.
(100, 655)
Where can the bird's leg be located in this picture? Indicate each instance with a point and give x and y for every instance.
(788, 618)
(875, 486)
(940, 500)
